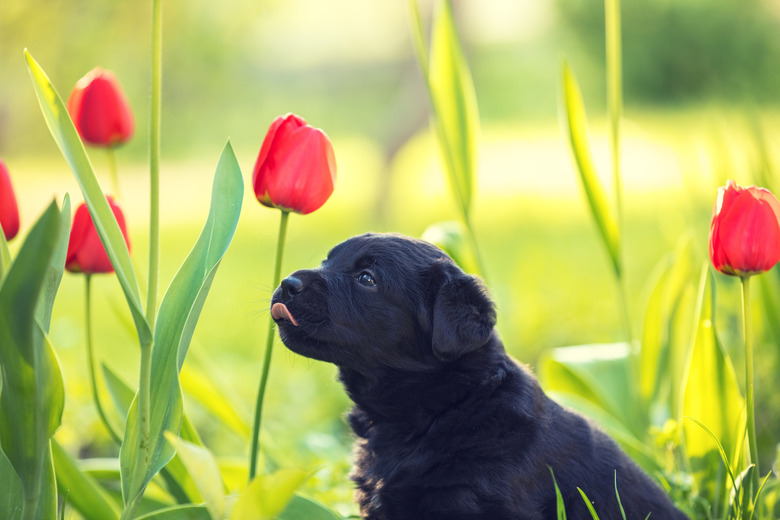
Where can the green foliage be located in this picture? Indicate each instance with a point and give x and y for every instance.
(33, 393)
(179, 312)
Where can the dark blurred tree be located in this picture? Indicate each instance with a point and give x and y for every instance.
(685, 50)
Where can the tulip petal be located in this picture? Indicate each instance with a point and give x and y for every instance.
(296, 167)
(750, 235)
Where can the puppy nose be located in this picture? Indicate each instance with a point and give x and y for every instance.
(291, 286)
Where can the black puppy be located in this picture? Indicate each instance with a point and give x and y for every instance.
(449, 427)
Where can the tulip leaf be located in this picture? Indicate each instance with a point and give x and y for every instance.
(576, 129)
(712, 397)
(453, 99)
(5, 254)
(11, 491)
(67, 138)
(268, 495)
(202, 465)
(178, 481)
(200, 387)
(55, 270)
(301, 507)
(666, 334)
(83, 491)
(178, 314)
(33, 395)
(183, 512)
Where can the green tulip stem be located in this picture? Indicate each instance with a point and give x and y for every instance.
(154, 162)
(91, 360)
(751, 412)
(254, 451)
(112, 171)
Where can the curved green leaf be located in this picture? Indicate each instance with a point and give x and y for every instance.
(185, 512)
(83, 492)
(55, 270)
(268, 495)
(5, 254)
(302, 507)
(178, 314)
(576, 129)
(67, 138)
(202, 465)
(33, 395)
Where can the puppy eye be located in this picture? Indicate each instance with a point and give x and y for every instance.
(367, 279)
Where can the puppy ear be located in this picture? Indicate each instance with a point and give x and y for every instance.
(463, 317)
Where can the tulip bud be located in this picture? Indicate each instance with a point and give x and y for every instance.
(9, 211)
(100, 111)
(296, 167)
(745, 230)
(86, 253)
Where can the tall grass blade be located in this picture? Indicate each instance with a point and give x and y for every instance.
(589, 504)
(560, 507)
(576, 129)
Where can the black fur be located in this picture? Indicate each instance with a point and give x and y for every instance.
(448, 426)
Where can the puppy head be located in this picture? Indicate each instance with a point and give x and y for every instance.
(384, 301)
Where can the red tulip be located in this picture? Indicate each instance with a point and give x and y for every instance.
(745, 231)
(9, 211)
(296, 167)
(86, 253)
(100, 110)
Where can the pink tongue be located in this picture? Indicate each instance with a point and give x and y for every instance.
(279, 311)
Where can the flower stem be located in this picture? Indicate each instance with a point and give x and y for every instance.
(112, 171)
(254, 451)
(751, 412)
(154, 162)
(91, 361)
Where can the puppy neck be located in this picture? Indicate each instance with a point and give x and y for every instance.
(395, 395)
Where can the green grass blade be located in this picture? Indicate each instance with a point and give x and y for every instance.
(576, 129)
(560, 507)
(83, 491)
(33, 394)
(617, 495)
(178, 314)
(711, 395)
(589, 504)
(67, 138)
(722, 453)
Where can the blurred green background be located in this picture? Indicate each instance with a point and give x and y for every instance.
(701, 91)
